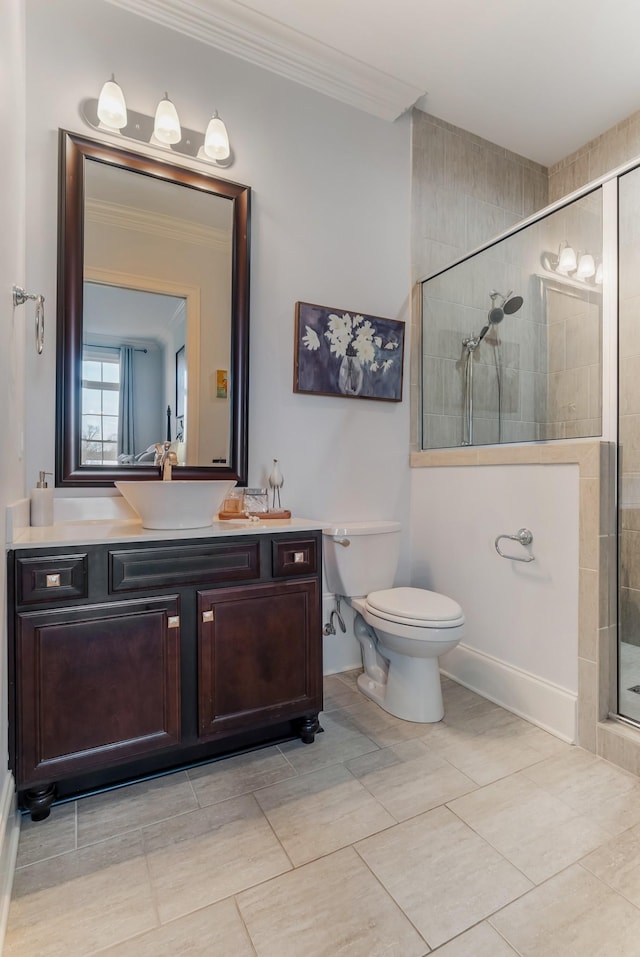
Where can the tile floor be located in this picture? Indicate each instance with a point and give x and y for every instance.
(480, 836)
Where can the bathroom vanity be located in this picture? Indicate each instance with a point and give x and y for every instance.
(134, 652)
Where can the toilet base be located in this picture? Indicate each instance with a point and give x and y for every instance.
(412, 690)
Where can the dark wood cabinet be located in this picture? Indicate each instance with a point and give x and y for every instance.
(134, 658)
(257, 654)
(96, 685)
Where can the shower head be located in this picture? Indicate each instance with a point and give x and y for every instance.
(512, 305)
(509, 305)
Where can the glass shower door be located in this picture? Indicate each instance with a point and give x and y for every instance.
(629, 445)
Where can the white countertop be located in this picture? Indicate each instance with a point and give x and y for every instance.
(74, 526)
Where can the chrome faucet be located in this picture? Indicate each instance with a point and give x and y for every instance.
(165, 458)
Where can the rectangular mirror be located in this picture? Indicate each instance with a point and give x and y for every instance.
(153, 314)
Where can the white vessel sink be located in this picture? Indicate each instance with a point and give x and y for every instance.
(175, 504)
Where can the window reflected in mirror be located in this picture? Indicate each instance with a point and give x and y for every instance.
(130, 382)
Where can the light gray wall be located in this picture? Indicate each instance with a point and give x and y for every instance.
(14, 324)
(330, 225)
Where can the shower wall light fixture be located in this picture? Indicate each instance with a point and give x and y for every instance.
(581, 267)
(109, 113)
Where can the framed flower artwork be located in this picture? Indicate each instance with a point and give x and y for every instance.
(347, 354)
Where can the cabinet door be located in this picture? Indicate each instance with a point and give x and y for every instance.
(96, 685)
(260, 655)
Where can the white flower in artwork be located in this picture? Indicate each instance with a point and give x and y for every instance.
(352, 337)
(311, 340)
(339, 333)
(363, 343)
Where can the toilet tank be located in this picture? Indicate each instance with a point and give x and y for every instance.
(360, 557)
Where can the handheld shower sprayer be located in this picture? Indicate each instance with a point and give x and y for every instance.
(508, 305)
(501, 306)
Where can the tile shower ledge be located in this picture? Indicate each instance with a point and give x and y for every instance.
(583, 452)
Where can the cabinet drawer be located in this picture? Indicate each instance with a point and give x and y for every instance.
(136, 569)
(52, 578)
(291, 558)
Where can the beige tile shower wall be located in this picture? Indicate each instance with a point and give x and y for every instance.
(465, 190)
(597, 157)
(575, 385)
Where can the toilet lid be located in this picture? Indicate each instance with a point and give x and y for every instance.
(415, 604)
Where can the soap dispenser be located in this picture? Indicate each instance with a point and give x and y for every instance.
(42, 501)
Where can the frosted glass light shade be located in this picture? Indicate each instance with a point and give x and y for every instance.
(598, 279)
(216, 139)
(566, 259)
(166, 127)
(112, 109)
(586, 266)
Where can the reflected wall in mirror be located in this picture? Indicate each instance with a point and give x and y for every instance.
(153, 301)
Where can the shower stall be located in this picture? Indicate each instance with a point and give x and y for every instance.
(535, 337)
(524, 365)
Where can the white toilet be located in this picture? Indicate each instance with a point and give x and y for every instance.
(402, 631)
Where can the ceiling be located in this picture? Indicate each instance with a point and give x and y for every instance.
(540, 79)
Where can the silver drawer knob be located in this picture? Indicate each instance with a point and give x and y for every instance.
(298, 556)
(53, 581)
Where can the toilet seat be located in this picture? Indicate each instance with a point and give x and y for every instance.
(417, 607)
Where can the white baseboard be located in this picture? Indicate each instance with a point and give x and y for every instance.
(541, 702)
(9, 834)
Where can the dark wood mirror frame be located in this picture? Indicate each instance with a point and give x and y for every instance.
(73, 151)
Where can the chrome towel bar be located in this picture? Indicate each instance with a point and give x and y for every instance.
(524, 536)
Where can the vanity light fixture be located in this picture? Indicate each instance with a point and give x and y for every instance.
(112, 109)
(586, 266)
(109, 114)
(166, 126)
(216, 139)
(566, 259)
(580, 268)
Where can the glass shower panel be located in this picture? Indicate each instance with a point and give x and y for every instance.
(511, 336)
(629, 445)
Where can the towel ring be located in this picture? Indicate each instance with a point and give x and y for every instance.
(19, 299)
(524, 537)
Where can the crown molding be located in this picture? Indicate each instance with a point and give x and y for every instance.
(156, 224)
(244, 33)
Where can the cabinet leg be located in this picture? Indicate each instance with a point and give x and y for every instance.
(309, 726)
(38, 801)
